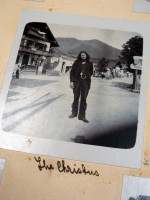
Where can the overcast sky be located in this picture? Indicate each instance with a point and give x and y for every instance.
(110, 37)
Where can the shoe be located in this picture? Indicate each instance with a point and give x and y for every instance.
(72, 116)
(84, 120)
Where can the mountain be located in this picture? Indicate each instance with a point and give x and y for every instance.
(95, 48)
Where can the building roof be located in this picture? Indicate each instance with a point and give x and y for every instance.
(40, 31)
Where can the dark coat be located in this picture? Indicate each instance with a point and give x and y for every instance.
(76, 70)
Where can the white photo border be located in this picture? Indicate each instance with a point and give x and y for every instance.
(97, 154)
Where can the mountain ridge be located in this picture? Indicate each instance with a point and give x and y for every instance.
(95, 48)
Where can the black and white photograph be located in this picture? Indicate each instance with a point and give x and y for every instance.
(135, 188)
(142, 6)
(2, 165)
(75, 85)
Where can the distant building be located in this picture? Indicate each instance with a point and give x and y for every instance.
(97, 70)
(36, 45)
(61, 65)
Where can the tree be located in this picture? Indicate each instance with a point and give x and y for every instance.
(102, 64)
(133, 47)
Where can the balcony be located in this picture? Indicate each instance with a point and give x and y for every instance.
(32, 50)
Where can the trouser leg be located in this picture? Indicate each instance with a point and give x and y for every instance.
(75, 104)
(83, 104)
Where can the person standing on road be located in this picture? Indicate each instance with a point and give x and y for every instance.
(80, 81)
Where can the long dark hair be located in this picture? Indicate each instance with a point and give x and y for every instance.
(87, 56)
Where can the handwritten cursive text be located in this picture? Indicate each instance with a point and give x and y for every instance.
(62, 167)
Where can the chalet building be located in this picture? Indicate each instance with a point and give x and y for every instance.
(36, 45)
